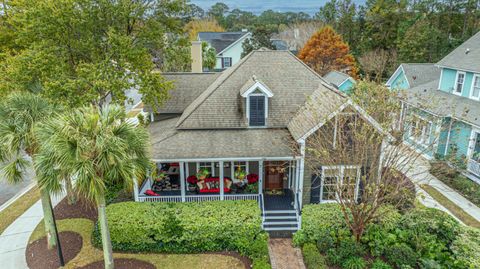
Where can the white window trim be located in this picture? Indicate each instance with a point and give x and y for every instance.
(456, 83)
(234, 167)
(473, 86)
(340, 177)
(223, 62)
(248, 109)
(471, 144)
(420, 141)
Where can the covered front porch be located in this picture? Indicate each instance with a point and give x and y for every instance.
(272, 182)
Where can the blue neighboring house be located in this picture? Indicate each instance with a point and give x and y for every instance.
(442, 102)
(340, 80)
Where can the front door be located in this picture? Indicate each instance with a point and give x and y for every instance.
(274, 173)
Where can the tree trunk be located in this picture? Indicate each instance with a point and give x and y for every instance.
(48, 219)
(71, 196)
(106, 243)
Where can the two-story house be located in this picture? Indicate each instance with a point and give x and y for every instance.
(242, 134)
(228, 46)
(443, 100)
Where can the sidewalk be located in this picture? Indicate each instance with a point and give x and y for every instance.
(283, 255)
(419, 174)
(14, 240)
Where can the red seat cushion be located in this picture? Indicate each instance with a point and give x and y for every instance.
(151, 193)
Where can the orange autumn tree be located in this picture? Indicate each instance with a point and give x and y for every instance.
(326, 51)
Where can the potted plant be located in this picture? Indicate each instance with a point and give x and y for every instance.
(161, 176)
(202, 174)
(239, 175)
(192, 183)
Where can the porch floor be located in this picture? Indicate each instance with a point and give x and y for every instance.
(279, 202)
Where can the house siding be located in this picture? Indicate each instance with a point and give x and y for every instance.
(460, 138)
(346, 86)
(448, 81)
(434, 137)
(235, 52)
(400, 82)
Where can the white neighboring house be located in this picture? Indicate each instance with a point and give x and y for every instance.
(228, 46)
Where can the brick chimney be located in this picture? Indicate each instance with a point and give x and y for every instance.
(196, 54)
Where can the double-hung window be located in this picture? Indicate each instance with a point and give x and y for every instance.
(226, 62)
(459, 82)
(475, 94)
(339, 182)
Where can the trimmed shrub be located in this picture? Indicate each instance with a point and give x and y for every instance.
(401, 255)
(320, 221)
(379, 264)
(466, 248)
(312, 257)
(381, 234)
(188, 228)
(354, 263)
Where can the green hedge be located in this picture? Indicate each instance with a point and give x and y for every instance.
(455, 180)
(312, 257)
(188, 228)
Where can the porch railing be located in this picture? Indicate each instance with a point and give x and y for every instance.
(198, 198)
(473, 167)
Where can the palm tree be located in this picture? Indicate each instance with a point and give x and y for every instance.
(96, 146)
(20, 113)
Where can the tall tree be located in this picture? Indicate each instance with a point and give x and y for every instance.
(260, 39)
(86, 51)
(218, 12)
(206, 25)
(20, 114)
(326, 51)
(209, 56)
(98, 146)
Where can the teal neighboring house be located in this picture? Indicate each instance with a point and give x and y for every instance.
(340, 80)
(442, 103)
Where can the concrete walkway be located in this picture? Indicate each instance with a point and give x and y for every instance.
(419, 173)
(283, 255)
(14, 240)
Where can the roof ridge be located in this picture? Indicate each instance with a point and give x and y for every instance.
(209, 91)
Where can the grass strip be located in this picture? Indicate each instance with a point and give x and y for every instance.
(451, 206)
(17, 208)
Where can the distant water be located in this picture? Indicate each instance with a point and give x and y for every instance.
(257, 6)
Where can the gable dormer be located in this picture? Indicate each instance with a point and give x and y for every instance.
(256, 96)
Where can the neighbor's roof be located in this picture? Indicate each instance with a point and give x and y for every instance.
(315, 111)
(420, 73)
(221, 40)
(169, 143)
(336, 78)
(460, 59)
(441, 103)
(187, 87)
(221, 106)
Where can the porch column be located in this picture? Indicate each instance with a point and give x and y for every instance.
(260, 177)
(182, 180)
(290, 179)
(301, 174)
(222, 183)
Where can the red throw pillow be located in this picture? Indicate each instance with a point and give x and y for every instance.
(151, 193)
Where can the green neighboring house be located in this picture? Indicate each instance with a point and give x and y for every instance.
(242, 134)
(340, 80)
(443, 100)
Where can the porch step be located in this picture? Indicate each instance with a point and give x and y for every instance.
(280, 220)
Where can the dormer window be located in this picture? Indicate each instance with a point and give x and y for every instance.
(256, 94)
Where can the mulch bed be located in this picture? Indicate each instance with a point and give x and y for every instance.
(246, 261)
(82, 209)
(122, 264)
(40, 257)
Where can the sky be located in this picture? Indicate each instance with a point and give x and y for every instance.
(257, 6)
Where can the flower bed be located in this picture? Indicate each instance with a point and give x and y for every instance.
(188, 228)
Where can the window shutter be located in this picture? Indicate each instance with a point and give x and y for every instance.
(257, 110)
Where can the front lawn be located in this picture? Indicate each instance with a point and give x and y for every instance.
(455, 180)
(417, 238)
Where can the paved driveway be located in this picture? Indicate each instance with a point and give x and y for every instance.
(7, 191)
